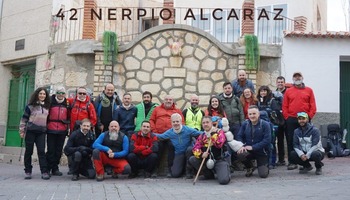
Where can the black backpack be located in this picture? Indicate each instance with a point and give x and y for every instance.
(334, 142)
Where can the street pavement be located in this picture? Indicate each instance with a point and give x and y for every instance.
(281, 184)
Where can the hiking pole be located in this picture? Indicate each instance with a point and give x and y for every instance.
(20, 154)
(345, 131)
(200, 167)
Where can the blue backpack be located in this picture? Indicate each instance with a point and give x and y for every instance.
(334, 142)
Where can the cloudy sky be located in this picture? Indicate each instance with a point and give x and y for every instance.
(336, 19)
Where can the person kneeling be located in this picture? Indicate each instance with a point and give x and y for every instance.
(255, 134)
(111, 148)
(79, 148)
(214, 139)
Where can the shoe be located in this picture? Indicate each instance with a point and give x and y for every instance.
(147, 175)
(75, 177)
(305, 170)
(99, 177)
(318, 171)
(291, 166)
(132, 175)
(108, 170)
(249, 172)
(154, 174)
(70, 172)
(281, 163)
(189, 176)
(28, 175)
(56, 173)
(272, 167)
(114, 175)
(45, 176)
(168, 175)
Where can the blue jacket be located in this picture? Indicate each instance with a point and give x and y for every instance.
(126, 118)
(98, 145)
(307, 141)
(259, 140)
(238, 89)
(181, 141)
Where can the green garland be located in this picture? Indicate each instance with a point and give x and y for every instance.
(252, 54)
(110, 47)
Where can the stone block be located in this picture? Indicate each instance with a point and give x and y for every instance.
(205, 86)
(216, 76)
(178, 82)
(191, 63)
(175, 61)
(132, 63)
(154, 53)
(208, 64)
(162, 63)
(204, 100)
(157, 75)
(200, 54)
(203, 74)
(148, 43)
(191, 38)
(165, 51)
(147, 65)
(174, 72)
(222, 64)
(204, 43)
(218, 87)
(215, 52)
(119, 68)
(132, 84)
(191, 78)
(176, 93)
(166, 83)
(161, 42)
(263, 78)
(136, 96)
(130, 74)
(57, 76)
(187, 51)
(229, 74)
(98, 72)
(153, 88)
(143, 76)
(190, 88)
(76, 79)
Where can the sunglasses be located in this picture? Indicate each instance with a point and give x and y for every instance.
(60, 93)
(82, 93)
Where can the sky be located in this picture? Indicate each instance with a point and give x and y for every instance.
(336, 20)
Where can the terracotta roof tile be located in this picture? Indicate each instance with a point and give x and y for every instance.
(326, 34)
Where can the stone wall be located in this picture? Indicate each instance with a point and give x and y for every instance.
(204, 64)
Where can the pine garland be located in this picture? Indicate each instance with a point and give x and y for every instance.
(252, 54)
(110, 47)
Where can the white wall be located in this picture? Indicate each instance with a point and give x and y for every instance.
(318, 59)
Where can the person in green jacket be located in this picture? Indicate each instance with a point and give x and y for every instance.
(144, 109)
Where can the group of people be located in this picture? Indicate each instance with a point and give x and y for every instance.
(114, 136)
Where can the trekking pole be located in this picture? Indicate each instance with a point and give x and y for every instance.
(200, 167)
(345, 132)
(20, 154)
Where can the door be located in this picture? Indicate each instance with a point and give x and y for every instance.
(345, 98)
(21, 87)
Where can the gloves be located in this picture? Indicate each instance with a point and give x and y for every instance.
(225, 126)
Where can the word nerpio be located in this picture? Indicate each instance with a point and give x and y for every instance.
(166, 14)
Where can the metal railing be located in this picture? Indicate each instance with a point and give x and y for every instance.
(127, 23)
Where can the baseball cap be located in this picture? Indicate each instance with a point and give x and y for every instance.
(297, 73)
(302, 114)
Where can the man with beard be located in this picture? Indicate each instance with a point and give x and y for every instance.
(106, 104)
(144, 109)
(79, 147)
(193, 115)
(298, 98)
(307, 146)
(281, 87)
(111, 148)
(125, 115)
(180, 137)
(241, 83)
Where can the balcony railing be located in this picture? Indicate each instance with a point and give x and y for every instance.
(223, 24)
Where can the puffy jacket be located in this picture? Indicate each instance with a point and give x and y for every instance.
(233, 109)
(298, 100)
(79, 142)
(143, 145)
(126, 118)
(307, 140)
(259, 140)
(58, 119)
(160, 118)
(141, 114)
(81, 110)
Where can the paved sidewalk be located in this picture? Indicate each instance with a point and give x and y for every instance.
(281, 184)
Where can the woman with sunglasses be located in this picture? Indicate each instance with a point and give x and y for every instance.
(33, 129)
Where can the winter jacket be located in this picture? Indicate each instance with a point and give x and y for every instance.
(98, 104)
(126, 118)
(160, 118)
(217, 148)
(81, 110)
(260, 139)
(143, 145)
(238, 89)
(141, 114)
(180, 140)
(120, 147)
(58, 119)
(193, 118)
(79, 142)
(233, 109)
(214, 113)
(298, 100)
(34, 119)
(307, 140)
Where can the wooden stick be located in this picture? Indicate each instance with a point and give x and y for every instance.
(200, 167)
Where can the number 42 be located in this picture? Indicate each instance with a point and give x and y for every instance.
(61, 15)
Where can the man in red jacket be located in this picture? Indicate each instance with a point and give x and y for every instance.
(143, 151)
(297, 98)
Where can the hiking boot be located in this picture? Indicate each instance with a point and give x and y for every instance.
(168, 175)
(281, 163)
(114, 175)
(56, 173)
(75, 177)
(133, 175)
(291, 166)
(189, 176)
(99, 177)
(28, 175)
(154, 174)
(318, 171)
(249, 172)
(305, 170)
(45, 176)
(108, 170)
(70, 172)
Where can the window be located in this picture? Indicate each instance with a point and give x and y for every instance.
(149, 23)
(270, 30)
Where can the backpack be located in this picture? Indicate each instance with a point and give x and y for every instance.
(334, 142)
(272, 151)
(275, 115)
